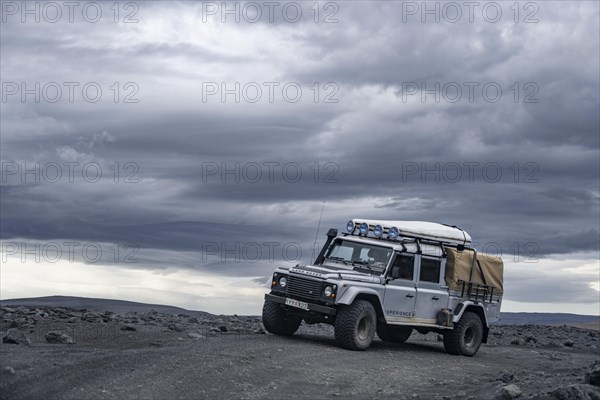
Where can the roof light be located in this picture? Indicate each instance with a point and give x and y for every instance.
(364, 229)
(393, 233)
(350, 226)
(378, 230)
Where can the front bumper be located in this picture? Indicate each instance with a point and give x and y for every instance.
(311, 307)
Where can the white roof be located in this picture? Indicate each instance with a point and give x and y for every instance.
(421, 229)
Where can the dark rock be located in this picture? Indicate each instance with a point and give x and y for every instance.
(92, 317)
(506, 376)
(128, 328)
(516, 342)
(531, 339)
(175, 327)
(592, 376)
(8, 370)
(58, 337)
(13, 336)
(223, 328)
(508, 392)
(568, 343)
(572, 392)
(193, 320)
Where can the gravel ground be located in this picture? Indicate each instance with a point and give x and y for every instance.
(77, 354)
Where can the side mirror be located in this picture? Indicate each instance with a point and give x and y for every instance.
(395, 273)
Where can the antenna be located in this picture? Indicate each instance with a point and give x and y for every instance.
(312, 257)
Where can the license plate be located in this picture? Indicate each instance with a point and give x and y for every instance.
(296, 303)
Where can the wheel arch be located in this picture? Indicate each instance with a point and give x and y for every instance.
(477, 309)
(370, 295)
(374, 300)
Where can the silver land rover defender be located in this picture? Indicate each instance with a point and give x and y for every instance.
(391, 277)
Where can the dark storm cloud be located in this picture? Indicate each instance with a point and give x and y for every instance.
(379, 142)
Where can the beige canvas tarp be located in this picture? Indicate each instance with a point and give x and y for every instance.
(461, 265)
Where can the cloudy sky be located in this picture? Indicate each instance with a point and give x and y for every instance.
(177, 152)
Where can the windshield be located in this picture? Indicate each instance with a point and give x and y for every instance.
(364, 257)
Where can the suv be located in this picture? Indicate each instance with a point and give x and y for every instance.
(391, 277)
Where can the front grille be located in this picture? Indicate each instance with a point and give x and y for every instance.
(303, 287)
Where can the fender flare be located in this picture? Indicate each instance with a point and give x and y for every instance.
(353, 291)
(469, 305)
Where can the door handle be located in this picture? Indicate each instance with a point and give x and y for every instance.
(434, 298)
(410, 296)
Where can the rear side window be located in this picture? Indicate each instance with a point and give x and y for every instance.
(430, 270)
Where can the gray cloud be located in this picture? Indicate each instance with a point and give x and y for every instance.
(378, 141)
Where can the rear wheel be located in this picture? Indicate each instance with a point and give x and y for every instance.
(355, 325)
(396, 334)
(465, 339)
(277, 321)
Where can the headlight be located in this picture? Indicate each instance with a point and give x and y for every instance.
(283, 281)
(378, 230)
(364, 229)
(350, 226)
(393, 232)
(328, 290)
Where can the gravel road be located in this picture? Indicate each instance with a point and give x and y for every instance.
(222, 357)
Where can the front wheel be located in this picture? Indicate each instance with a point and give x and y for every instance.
(395, 334)
(277, 321)
(465, 339)
(355, 325)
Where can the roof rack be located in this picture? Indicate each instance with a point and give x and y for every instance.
(418, 230)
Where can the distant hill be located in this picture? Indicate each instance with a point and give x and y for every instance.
(93, 304)
(522, 318)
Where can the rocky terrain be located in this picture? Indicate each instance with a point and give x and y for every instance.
(50, 352)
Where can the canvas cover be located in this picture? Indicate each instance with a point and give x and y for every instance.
(462, 265)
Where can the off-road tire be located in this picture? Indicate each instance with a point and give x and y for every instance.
(355, 325)
(277, 321)
(395, 334)
(465, 339)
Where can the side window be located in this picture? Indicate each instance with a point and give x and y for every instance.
(430, 270)
(404, 267)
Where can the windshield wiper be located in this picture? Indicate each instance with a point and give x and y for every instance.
(365, 263)
(337, 259)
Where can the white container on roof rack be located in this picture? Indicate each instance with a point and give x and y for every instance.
(420, 229)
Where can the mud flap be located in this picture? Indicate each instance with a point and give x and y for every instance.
(444, 317)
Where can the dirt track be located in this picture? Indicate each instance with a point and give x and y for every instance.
(198, 360)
